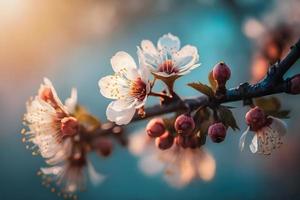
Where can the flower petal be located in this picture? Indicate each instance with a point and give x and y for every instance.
(96, 178)
(123, 63)
(120, 117)
(71, 102)
(279, 125)
(150, 164)
(254, 144)
(168, 43)
(243, 138)
(186, 59)
(114, 87)
(48, 84)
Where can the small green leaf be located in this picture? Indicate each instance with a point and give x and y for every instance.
(212, 81)
(268, 104)
(227, 118)
(283, 114)
(205, 89)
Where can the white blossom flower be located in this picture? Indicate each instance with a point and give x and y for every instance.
(44, 117)
(268, 132)
(180, 166)
(54, 133)
(128, 87)
(167, 59)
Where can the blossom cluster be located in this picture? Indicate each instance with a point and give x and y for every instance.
(64, 133)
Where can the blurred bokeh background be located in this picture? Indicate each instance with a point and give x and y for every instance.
(71, 42)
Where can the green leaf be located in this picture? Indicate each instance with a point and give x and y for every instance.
(283, 114)
(227, 118)
(212, 81)
(205, 89)
(86, 119)
(268, 104)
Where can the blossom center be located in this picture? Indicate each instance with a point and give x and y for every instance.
(138, 89)
(168, 67)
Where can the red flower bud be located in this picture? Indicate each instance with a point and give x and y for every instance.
(221, 73)
(104, 146)
(184, 124)
(155, 127)
(295, 84)
(165, 141)
(69, 126)
(256, 118)
(217, 132)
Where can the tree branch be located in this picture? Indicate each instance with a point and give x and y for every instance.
(273, 83)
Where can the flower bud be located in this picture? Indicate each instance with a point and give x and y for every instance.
(221, 73)
(295, 84)
(256, 118)
(104, 146)
(165, 141)
(217, 132)
(69, 126)
(155, 127)
(184, 125)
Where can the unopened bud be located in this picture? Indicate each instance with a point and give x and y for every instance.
(256, 118)
(165, 141)
(184, 124)
(155, 127)
(217, 132)
(104, 146)
(221, 73)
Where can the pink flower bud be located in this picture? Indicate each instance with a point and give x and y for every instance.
(155, 127)
(69, 126)
(221, 73)
(295, 84)
(217, 132)
(256, 118)
(165, 141)
(184, 124)
(104, 146)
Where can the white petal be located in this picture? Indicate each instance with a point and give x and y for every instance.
(148, 55)
(123, 63)
(49, 84)
(254, 144)
(120, 117)
(71, 102)
(52, 170)
(114, 87)
(279, 125)
(96, 178)
(243, 138)
(149, 48)
(187, 56)
(122, 104)
(169, 43)
(150, 164)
